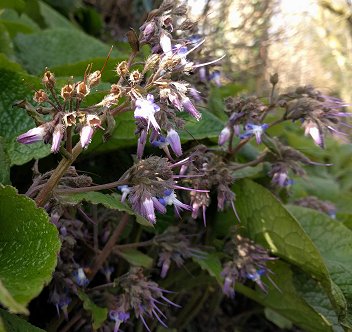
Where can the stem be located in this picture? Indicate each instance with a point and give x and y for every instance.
(133, 245)
(45, 194)
(109, 246)
(69, 139)
(254, 162)
(72, 322)
(92, 188)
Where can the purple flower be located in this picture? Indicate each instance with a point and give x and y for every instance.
(170, 199)
(224, 135)
(57, 137)
(189, 108)
(146, 109)
(125, 189)
(252, 129)
(256, 277)
(33, 135)
(174, 140)
(165, 43)
(86, 136)
(80, 277)
(148, 210)
(119, 317)
(281, 179)
(216, 77)
(312, 129)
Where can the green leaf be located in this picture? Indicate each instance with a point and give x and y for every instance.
(29, 245)
(99, 314)
(277, 319)
(136, 258)
(15, 86)
(334, 241)
(208, 127)
(54, 47)
(268, 223)
(9, 302)
(17, 5)
(112, 201)
(210, 263)
(123, 135)
(52, 18)
(4, 164)
(12, 323)
(287, 302)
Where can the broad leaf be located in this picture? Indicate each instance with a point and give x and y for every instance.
(334, 242)
(14, 86)
(211, 263)
(288, 302)
(29, 245)
(99, 314)
(110, 201)
(4, 164)
(45, 49)
(268, 223)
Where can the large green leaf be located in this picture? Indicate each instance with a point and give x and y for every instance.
(112, 201)
(334, 242)
(268, 223)
(54, 47)
(4, 164)
(15, 86)
(29, 245)
(13, 323)
(288, 300)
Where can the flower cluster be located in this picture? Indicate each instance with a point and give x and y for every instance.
(318, 113)
(283, 159)
(206, 170)
(174, 247)
(151, 186)
(65, 112)
(248, 261)
(245, 113)
(140, 296)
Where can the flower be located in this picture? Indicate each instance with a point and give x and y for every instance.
(224, 136)
(33, 135)
(146, 109)
(252, 129)
(92, 121)
(148, 180)
(119, 317)
(189, 108)
(170, 199)
(57, 137)
(140, 295)
(80, 277)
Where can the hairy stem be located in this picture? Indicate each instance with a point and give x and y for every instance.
(45, 194)
(108, 248)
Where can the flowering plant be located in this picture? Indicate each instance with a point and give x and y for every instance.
(250, 217)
